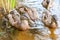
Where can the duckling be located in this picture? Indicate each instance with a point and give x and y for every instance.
(15, 21)
(32, 12)
(49, 21)
(45, 3)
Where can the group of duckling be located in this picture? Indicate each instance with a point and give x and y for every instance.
(21, 17)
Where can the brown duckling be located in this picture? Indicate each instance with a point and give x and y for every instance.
(49, 21)
(16, 22)
(45, 3)
(27, 10)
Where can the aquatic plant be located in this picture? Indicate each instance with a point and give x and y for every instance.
(8, 4)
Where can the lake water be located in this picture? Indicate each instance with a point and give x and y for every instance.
(43, 33)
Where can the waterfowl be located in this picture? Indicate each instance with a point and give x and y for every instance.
(49, 21)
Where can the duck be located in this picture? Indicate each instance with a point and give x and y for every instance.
(49, 21)
(45, 3)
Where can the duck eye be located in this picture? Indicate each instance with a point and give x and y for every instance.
(45, 17)
(47, 1)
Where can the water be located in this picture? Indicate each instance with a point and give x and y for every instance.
(43, 33)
